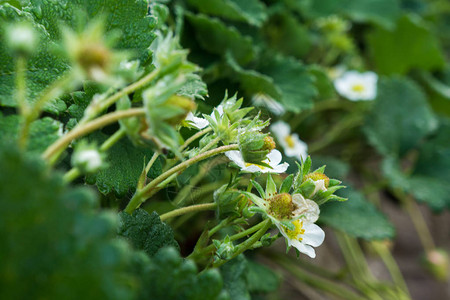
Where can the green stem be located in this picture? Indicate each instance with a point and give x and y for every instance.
(21, 89)
(316, 282)
(391, 265)
(52, 152)
(234, 237)
(123, 92)
(142, 195)
(75, 172)
(188, 209)
(417, 218)
(247, 244)
(203, 171)
(143, 177)
(194, 137)
(336, 131)
(211, 144)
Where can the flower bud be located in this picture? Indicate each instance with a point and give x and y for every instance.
(87, 160)
(21, 38)
(437, 263)
(254, 146)
(184, 103)
(281, 206)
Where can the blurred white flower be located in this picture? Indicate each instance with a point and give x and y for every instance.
(291, 143)
(89, 160)
(273, 160)
(357, 86)
(201, 123)
(304, 237)
(264, 100)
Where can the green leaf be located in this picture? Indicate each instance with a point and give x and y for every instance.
(126, 162)
(55, 242)
(284, 33)
(129, 17)
(293, 81)
(261, 279)
(400, 118)
(215, 37)
(428, 182)
(357, 217)
(234, 278)
(43, 67)
(43, 132)
(168, 276)
(382, 12)
(146, 231)
(250, 11)
(410, 45)
(194, 88)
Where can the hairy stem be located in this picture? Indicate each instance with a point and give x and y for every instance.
(150, 188)
(52, 152)
(194, 137)
(188, 209)
(75, 172)
(247, 244)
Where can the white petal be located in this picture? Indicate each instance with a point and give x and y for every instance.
(273, 158)
(200, 123)
(252, 168)
(236, 157)
(314, 235)
(308, 250)
(279, 168)
(280, 129)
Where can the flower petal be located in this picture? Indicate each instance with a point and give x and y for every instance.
(236, 157)
(308, 250)
(314, 235)
(273, 158)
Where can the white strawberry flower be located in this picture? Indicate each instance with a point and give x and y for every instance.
(291, 143)
(264, 100)
(303, 237)
(357, 86)
(201, 123)
(273, 160)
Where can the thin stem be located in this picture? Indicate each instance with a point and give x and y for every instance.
(391, 265)
(147, 192)
(209, 145)
(315, 281)
(21, 89)
(143, 177)
(123, 92)
(234, 237)
(75, 172)
(247, 244)
(353, 120)
(417, 218)
(117, 136)
(204, 169)
(52, 152)
(188, 209)
(194, 137)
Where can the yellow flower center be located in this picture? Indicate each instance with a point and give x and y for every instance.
(297, 232)
(259, 166)
(358, 88)
(289, 141)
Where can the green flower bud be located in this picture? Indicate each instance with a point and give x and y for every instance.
(437, 262)
(281, 206)
(254, 146)
(186, 104)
